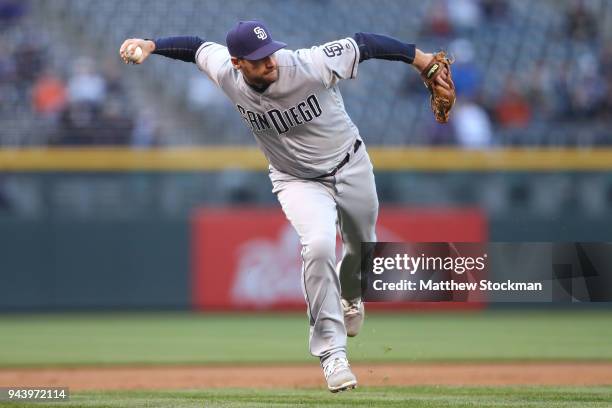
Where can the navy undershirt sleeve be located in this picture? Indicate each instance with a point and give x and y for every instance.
(180, 48)
(383, 47)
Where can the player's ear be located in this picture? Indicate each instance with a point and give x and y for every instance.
(236, 62)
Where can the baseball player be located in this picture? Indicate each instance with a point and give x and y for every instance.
(318, 164)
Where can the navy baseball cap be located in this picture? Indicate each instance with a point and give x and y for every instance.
(251, 40)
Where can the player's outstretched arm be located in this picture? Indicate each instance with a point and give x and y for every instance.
(434, 69)
(379, 46)
(129, 50)
(182, 48)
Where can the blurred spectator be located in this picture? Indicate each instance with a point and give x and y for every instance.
(562, 97)
(606, 73)
(11, 11)
(112, 75)
(606, 108)
(466, 75)
(580, 23)
(437, 20)
(86, 85)
(8, 89)
(580, 88)
(146, 130)
(437, 134)
(512, 110)
(7, 64)
(76, 126)
(81, 125)
(112, 127)
(464, 15)
(587, 91)
(494, 10)
(29, 59)
(542, 91)
(472, 125)
(605, 61)
(49, 95)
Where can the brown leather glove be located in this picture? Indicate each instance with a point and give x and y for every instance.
(442, 99)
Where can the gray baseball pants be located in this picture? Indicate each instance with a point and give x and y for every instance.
(346, 202)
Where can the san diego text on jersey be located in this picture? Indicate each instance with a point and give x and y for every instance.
(301, 113)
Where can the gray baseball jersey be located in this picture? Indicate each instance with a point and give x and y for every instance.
(300, 122)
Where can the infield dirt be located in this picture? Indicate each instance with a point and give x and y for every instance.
(306, 376)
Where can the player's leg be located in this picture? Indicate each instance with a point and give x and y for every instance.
(357, 204)
(311, 209)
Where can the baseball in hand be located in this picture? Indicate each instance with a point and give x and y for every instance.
(134, 52)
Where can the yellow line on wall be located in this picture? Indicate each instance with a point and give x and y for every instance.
(250, 158)
(446, 159)
(123, 159)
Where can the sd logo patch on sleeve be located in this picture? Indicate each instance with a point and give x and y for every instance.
(333, 49)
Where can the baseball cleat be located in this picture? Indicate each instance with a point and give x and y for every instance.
(339, 376)
(354, 313)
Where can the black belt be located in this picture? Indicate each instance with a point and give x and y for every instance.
(343, 162)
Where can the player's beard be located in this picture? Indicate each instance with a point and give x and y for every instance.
(262, 82)
(269, 78)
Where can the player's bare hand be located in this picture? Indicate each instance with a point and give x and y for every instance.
(136, 50)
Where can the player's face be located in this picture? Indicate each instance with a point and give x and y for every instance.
(261, 72)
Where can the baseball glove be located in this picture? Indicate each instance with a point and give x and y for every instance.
(442, 99)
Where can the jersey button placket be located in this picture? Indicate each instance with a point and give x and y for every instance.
(265, 104)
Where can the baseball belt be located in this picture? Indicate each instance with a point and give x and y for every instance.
(343, 162)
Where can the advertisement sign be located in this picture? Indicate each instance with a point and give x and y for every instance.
(249, 259)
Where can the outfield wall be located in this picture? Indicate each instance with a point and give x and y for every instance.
(113, 228)
(146, 263)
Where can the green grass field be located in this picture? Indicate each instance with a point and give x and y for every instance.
(186, 338)
(413, 397)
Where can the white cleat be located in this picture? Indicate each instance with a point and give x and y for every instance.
(354, 313)
(339, 376)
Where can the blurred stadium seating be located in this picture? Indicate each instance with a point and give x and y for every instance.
(528, 73)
